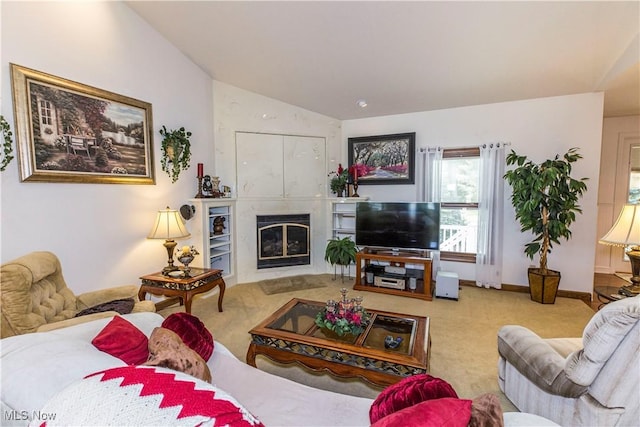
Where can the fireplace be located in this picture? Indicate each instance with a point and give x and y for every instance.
(283, 240)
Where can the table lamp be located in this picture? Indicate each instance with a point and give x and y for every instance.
(169, 226)
(626, 232)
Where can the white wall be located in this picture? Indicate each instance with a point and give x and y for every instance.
(237, 110)
(99, 230)
(538, 128)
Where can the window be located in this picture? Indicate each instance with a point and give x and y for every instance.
(45, 112)
(459, 204)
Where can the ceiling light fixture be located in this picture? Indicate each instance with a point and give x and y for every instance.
(361, 103)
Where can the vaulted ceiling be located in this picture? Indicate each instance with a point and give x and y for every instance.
(404, 57)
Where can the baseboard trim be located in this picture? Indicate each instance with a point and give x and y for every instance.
(585, 297)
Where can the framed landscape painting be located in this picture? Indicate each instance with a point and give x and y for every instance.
(70, 132)
(383, 159)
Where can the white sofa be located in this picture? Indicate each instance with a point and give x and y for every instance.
(37, 366)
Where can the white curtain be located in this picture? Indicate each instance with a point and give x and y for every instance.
(429, 178)
(490, 216)
(428, 185)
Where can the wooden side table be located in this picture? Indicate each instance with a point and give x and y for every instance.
(199, 281)
(606, 294)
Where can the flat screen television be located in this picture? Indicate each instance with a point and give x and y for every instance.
(398, 225)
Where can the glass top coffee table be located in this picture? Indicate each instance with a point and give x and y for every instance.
(290, 335)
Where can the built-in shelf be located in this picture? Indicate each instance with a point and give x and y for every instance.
(343, 216)
(218, 246)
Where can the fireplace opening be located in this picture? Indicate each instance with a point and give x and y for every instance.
(283, 240)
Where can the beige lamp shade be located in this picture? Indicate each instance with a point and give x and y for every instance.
(168, 225)
(626, 230)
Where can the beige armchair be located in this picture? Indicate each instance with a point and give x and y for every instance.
(34, 296)
(593, 381)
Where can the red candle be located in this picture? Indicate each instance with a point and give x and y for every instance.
(200, 170)
(355, 174)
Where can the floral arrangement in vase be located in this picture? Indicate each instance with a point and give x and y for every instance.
(339, 180)
(343, 317)
(186, 256)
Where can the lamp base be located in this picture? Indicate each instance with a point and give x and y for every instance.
(170, 244)
(634, 257)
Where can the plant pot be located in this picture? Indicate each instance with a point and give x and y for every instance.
(543, 287)
(173, 152)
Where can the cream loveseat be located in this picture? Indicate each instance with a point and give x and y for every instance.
(588, 381)
(37, 367)
(35, 297)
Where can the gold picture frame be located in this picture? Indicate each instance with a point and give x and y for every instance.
(70, 132)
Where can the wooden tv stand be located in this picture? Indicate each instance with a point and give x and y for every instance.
(424, 287)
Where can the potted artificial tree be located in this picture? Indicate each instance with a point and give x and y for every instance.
(340, 252)
(176, 151)
(545, 198)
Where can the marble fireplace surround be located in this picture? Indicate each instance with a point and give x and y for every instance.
(247, 212)
(283, 240)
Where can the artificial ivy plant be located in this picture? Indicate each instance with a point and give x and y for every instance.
(176, 151)
(7, 145)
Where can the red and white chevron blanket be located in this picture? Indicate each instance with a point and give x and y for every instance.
(143, 396)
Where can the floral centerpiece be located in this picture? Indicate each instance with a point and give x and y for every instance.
(186, 256)
(339, 180)
(343, 317)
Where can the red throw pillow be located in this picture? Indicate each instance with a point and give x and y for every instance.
(192, 332)
(408, 392)
(447, 411)
(121, 339)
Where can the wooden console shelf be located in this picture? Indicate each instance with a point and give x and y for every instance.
(424, 287)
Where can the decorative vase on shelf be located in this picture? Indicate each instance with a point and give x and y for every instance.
(218, 225)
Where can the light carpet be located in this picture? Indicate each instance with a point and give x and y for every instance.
(463, 333)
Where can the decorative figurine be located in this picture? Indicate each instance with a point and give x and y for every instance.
(392, 343)
(218, 225)
(215, 188)
(207, 186)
